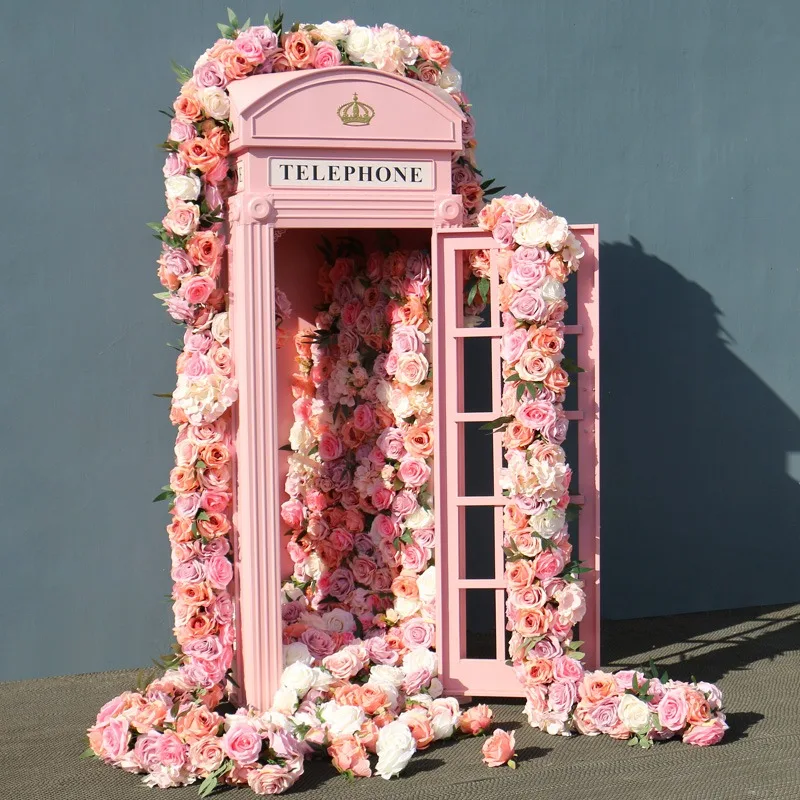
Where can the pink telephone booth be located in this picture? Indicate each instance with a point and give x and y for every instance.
(348, 151)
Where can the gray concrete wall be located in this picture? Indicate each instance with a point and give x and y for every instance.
(674, 125)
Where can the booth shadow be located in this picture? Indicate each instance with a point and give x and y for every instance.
(698, 508)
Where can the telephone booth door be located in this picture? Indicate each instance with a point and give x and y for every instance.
(472, 638)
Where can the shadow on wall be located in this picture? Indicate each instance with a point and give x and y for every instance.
(698, 509)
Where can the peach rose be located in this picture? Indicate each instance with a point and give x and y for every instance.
(235, 64)
(498, 749)
(557, 381)
(206, 754)
(299, 50)
(374, 699)
(699, 711)
(475, 720)
(517, 435)
(350, 757)
(419, 724)
(205, 249)
(200, 154)
(596, 686)
(197, 723)
(519, 574)
(537, 671)
(418, 440)
(187, 108)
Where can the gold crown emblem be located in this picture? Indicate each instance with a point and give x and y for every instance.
(355, 112)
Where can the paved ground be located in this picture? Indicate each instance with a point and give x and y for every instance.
(754, 654)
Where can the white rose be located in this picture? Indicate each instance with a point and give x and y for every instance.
(554, 723)
(204, 399)
(341, 720)
(426, 585)
(322, 678)
(331, 31)
(421, 518)
(533, 233)
(221, 327)
(215, 102)
(571, 603)
(450, 79)
(384, 674)
(420, 658)
(301, 439)
(338, 620)
(406, 607)
(572, 251)
(183, 187)
(549, 523)
(395, 747)
(435, 688)
(298, 676)
(285, 700)
(422, 699)
(297, 651)
(552, 290)
(443, 726)
(359, 41)
(558, 232)
(634, 714)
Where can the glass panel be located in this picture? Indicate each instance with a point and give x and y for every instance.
(571, 355)
(480, 623)
(478, 558)
(479, 465)
(477, 378)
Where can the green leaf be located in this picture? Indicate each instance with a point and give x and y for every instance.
(511, 763)
(88, 753)
(483, 288)
(471, 293)
(286, 447)
(232, 18)
(200, 464)
(496, 423)
(208, 786)
(203, 516)
(183, 73)
(162, 394)
(165, 495)
(493, 190)
(569, 365)
(521, 388)
(226, 31)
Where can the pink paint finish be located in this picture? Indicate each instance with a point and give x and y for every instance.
(294, 116)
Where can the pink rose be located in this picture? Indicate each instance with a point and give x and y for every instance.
(250, 46)
(529, 267)
(414, 472)
(475, 720)
(380, 651)
(528, 305)
(242, 744)
(384, 526)
(110, 740)
(407, 339)
(555, 429)
(206, 754)
(341, 584)
(176, 261)
(173, 165)
(567, 669)
(503, 231)
(272, 779)
(182, 219)
(604, 715)
(209, 74)
(197, 289)
(535, 414)
(326, 55)
(146, 750)
(405, 503)
(330, 447)
(418, 633)
(343, 665)
(171, 750)
(673, 710)
(708, 733)
(319, 643)
(561, 696)
(498, 749)
(364, 417)
(412, 369)
(391, 443)
(513, 344)
(549, 564)
(215, 501)
(219, 571)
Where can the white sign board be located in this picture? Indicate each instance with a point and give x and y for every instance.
(350, 173)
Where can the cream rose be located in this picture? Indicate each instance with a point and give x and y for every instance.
(341, 720)
(450, 79)
(215, 102)
(533, 233)
(297, 651)
(298, 676)
(420, 658)
(395, 747)
(634, 714)
(426, 585)
(331, 31)
(359, 41)
(383, 674)
(220, 327)
(552, 290)
(183, 187)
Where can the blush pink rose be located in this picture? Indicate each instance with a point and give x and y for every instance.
(503, 231)
(242, 744)
(513, 344)
(271, 779)
(330, 447)
(536, 414)
(412, 369)
(197, 289)
(418, 633)
(172, 751)
(549, 564)
(673, 710)
(182, 219)
(414, 472)
(219, 571)
(528, 305)
(706, 734)
(561, 696)
(567, 669)
(498, 749)
(326, 55)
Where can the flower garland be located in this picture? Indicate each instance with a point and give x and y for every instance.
(545, 596)
(360, 675)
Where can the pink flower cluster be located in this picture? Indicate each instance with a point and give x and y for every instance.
(537, 253)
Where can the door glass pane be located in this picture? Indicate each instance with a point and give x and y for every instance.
(478, 461)
(478, 558)
(480, 623)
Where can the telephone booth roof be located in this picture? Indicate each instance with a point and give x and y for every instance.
(301, 109)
